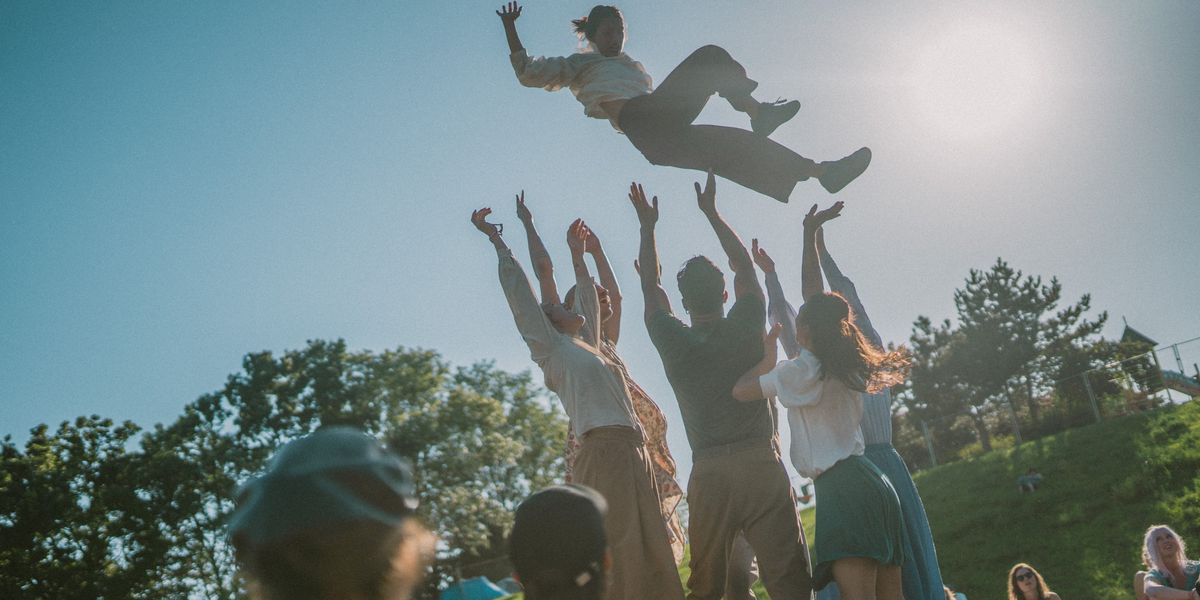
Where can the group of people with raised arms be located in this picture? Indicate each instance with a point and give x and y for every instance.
(333, 515)
(721, 366)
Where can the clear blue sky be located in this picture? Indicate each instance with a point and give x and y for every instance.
(184, 183)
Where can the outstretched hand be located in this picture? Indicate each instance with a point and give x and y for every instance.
(479, 220)
(761, 258)
(577, 235)
(522, 211)
(509, 13)
(647, 212)
(814, 219)
(592, 245)
(707, 198)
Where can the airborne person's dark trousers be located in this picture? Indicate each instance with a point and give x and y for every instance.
(660, 125)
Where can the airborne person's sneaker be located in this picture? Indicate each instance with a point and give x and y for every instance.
(773, 114)
(839, 173)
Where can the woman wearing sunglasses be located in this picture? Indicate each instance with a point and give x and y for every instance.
(1025, 583)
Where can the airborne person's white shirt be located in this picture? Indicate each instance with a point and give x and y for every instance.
(591, 76)
(823, 414)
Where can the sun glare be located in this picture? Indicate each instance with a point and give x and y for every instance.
(978, 80)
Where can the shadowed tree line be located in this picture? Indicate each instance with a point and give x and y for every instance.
(97, 509)
(1016, 351)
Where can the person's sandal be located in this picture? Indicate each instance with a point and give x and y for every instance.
(773, 114)
(839, 173)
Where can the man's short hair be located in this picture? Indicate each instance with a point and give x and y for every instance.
(702, 285)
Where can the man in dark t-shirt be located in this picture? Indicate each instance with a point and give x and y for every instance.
(738, 482)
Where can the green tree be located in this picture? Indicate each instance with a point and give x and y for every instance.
(1010, 343)
(152, 522)
(72, 522)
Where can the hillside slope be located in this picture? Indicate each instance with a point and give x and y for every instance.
(1104, 484)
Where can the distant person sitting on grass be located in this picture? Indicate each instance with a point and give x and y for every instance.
(332, 518)
(1025, 583)
(1172, 576)
(1030, 481)
(558, 546)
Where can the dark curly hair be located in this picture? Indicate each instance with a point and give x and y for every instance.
(844, 352)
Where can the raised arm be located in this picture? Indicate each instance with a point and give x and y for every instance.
(745, 281)
(588, 302)
(841, 284)
(779, 310)
(543, 267)
(748, 386)
(810, 269)
(531, 321)
(611, 327)
(509, 13)
(648, 268)
(551, 73)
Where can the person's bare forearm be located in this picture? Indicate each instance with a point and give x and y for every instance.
(607, 278)
(811, 283)
(539, 259)
(580, 265)
(514, 40)
(735, 250)
(648, 259)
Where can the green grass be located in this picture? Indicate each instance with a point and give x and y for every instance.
(1104, 485)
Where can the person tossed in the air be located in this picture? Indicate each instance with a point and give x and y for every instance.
(658, 121)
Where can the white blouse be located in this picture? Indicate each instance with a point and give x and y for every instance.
(823, 414)
(592, 389)
(591, 76)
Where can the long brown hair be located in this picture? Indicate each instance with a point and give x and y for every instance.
(844, 352)
(1014, 592)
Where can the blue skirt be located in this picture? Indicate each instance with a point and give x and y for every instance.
(858, 515)
(921, 577)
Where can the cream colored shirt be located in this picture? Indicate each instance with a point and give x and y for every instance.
(592, 390)
(823, 414)
(591, 76)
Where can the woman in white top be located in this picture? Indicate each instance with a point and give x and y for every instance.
(593, 391)
(658, 122)
(860, 537)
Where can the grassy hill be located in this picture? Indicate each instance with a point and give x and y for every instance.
(1104, 485)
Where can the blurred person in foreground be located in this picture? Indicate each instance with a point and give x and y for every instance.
(331, 518)
(558, 545)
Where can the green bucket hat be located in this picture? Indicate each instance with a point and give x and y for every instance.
(336, 475)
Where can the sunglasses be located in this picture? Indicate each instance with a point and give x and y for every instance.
(1023, 576)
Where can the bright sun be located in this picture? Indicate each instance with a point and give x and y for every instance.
(977, 80)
